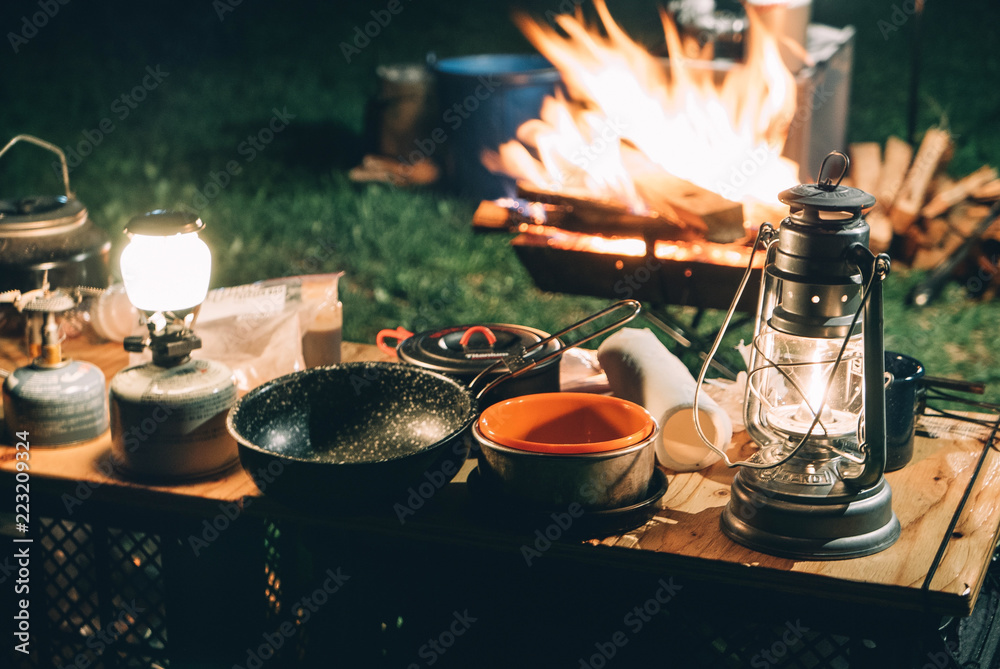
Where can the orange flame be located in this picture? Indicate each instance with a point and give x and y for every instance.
(628, 117)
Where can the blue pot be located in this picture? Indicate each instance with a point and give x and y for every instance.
(483, 100)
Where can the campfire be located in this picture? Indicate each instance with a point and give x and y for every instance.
(683, 147)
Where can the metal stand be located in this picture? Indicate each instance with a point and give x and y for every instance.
(686, 337)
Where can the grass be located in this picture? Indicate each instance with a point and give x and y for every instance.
(410, 256)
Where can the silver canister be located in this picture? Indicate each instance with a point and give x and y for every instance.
(170, 422)
(56, 405)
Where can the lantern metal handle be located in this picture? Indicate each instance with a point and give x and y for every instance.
(767, 235)
(45, 145)
(874, 269)
(827, 184)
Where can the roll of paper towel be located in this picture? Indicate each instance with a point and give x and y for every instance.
(641, 369)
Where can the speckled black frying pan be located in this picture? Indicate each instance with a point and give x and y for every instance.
(354, 432)
(368, 431)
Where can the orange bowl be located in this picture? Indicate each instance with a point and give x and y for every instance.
(566, 423)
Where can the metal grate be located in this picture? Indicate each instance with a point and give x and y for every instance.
(785, 645)
(103, 596)
(282, 573)
(272, 570)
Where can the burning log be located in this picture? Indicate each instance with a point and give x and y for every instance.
(713, 216)
(684, 211)
(602, 217)
(933, 153)
(596, 218)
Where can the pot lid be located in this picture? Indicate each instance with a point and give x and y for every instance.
(827, 194)
(469, 349)
(40, 213)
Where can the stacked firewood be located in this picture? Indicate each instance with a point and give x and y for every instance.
(923, 217)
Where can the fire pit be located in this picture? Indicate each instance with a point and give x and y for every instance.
(647, 179)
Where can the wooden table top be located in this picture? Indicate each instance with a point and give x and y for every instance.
(683, 538)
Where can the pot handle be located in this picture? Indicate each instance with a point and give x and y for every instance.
(45, 145)
(399, 334)
(481, 329)
(517, 365)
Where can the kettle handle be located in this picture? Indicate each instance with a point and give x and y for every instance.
(45, 145)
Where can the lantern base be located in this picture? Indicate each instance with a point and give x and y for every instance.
(835, 527)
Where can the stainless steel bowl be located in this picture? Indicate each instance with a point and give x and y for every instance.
(596, 481)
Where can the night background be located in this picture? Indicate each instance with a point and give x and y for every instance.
(410, 256)
(170, 100)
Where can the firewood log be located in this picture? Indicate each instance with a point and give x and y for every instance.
(933, 153)
(959, 191)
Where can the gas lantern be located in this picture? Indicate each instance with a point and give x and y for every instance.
(168, 415)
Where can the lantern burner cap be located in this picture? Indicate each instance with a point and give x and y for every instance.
(55, 301)
(163, 223)
(827, 194)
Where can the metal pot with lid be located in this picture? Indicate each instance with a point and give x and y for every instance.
(463, 351)
(50, 233)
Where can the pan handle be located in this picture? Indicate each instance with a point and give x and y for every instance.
(953, 384)
(517, 365)
(399, 334)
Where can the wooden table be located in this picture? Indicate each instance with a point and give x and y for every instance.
(937, 568)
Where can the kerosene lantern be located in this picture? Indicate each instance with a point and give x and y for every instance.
(168, 415)
(815, 401)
